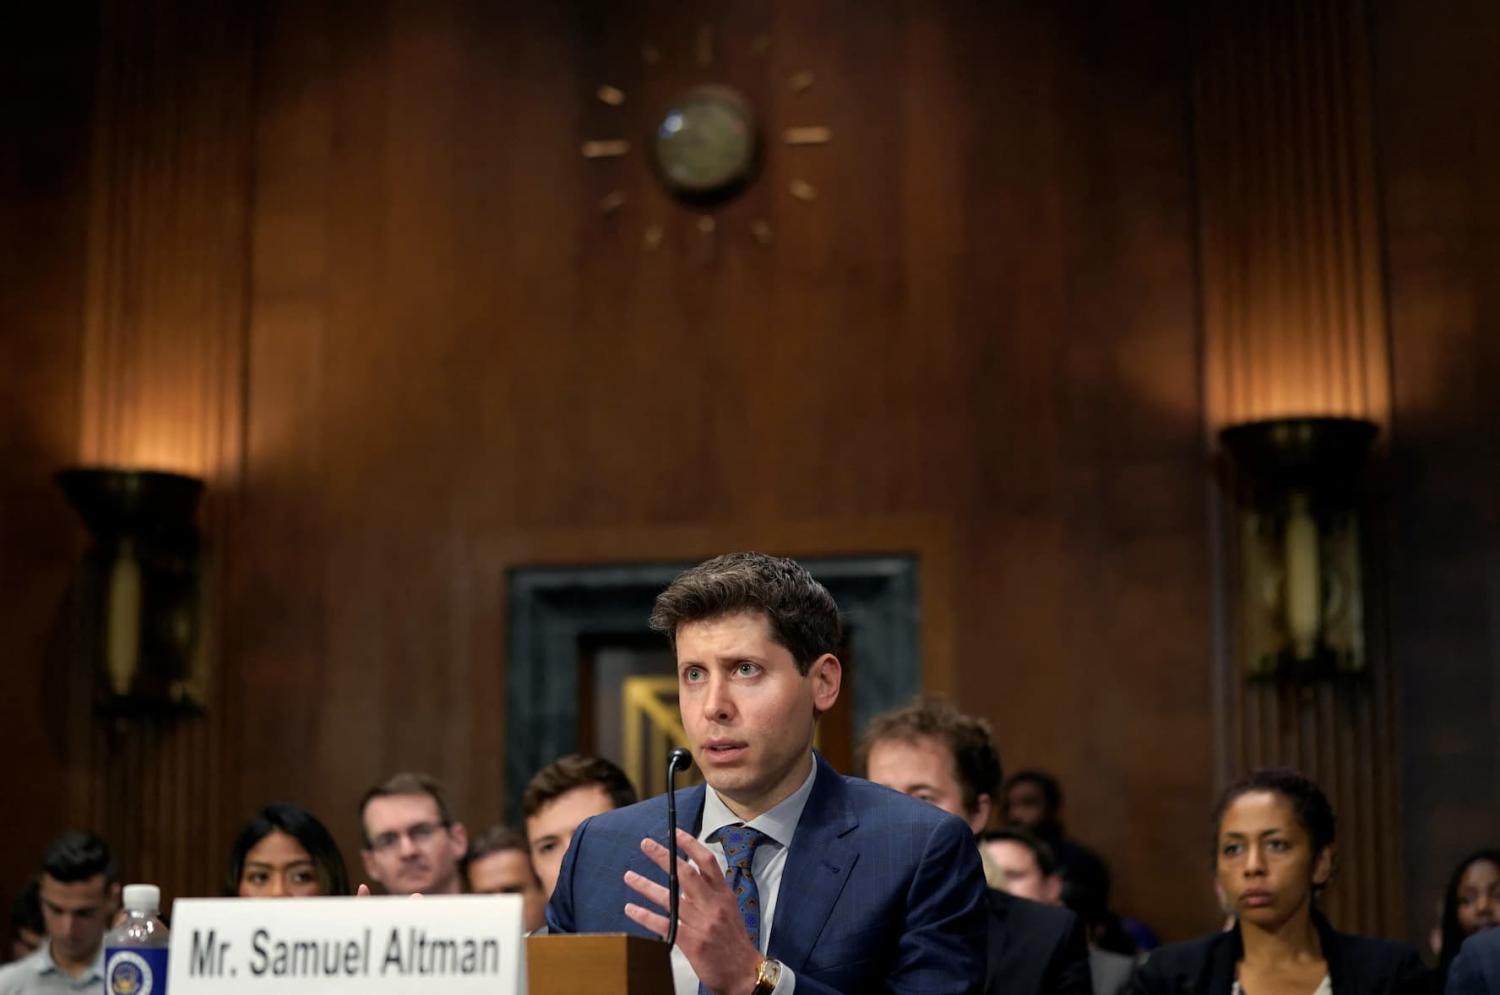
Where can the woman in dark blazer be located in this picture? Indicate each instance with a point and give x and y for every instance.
(1274, 851)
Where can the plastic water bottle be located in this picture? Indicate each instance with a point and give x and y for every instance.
(135, 952)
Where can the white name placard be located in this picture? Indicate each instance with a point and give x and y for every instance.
(452, 945)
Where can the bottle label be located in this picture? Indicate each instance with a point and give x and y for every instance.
(135, 971)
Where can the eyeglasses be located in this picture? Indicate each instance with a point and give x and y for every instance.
(419, 835)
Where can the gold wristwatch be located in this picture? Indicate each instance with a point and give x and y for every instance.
(766, 977)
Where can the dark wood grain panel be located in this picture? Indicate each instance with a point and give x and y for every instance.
(979, 344)
(155, 381)
(44, 198)
(1294, 324)
(1440, 154)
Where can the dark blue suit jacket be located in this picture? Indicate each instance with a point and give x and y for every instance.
(1476, 969)
(1035, 949)
(880, 892)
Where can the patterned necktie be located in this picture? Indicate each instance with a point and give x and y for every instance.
(739, 843)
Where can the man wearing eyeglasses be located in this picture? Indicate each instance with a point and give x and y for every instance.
(412, 844)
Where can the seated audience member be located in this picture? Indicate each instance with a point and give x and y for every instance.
(80, 892)
(1087, 894)
(413, 846)
(1025, 867)
(499, 864)
(1033, 800)
(795, 878)
(1274, 849)
(27, 928)
(933, 752)
(1471, 902)
(1476, 969)
(559, 797)
(284, 852)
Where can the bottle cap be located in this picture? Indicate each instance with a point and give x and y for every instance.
(142, 898)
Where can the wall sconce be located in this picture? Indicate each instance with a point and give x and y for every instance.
(1296, 484)
(141, 591)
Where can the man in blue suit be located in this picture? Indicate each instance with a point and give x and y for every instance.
(795, 878)
(1476, 969)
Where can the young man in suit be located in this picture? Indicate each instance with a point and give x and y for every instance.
(933, 752)
(80, 894)
(499, 863)
(795, 878)
(1027, 869)
(559, 797)
(1476, 969)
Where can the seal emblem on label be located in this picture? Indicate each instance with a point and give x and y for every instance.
(129, 974)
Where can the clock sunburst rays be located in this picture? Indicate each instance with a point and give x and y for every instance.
(705, 148)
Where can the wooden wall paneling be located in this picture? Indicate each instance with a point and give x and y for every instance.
(455, 366)
(283, 700)
(162, 366)
(1294, 318)
(1132, 492)
(46, 86)
(1435, 82)
(1294, 324)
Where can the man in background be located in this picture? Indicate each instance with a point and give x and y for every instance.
(499, 864)
(413, 846)
(80, 893)
(1476, 969)
(559, 797)
(933, 752)
(1026, 868)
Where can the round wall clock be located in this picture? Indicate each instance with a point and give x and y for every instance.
(703, 148)
(707, 145)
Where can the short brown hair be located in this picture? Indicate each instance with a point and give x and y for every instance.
(1046, 862)
(975, 759)
(575, 771)
(406, 783)
(803, 616)
(497, 839)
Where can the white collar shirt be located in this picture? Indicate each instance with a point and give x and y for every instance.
(780, 825)
(38, 974)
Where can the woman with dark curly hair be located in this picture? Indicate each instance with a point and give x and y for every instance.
(1274, 852)
(284, 852)
(1471, 902)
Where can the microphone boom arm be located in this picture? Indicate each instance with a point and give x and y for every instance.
(679, 758)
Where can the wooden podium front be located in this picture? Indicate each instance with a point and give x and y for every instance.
(598, 964)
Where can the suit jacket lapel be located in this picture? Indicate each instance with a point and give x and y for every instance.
(1226, 953)
(689, 814)
(818, 863)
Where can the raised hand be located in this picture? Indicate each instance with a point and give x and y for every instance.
(710, 929)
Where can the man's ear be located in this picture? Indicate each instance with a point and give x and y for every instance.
(115, 890)
(826, 674)
(460, 840)
(979, 819)
(1052, 889)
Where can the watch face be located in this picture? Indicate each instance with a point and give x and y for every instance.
(766, 977)
(706, 143)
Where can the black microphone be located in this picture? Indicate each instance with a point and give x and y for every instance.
(678, 759)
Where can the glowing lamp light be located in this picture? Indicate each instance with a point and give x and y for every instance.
(140, 585)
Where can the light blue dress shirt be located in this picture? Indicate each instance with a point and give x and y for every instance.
(780, 824)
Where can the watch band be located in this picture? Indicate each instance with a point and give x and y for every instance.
(766, 977)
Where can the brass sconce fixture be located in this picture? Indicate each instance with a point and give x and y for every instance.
(140, 586)
(1300, 565)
